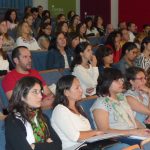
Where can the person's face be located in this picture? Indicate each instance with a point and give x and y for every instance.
(47, 30)
(25, 28)
(83, 29)
(65, 28)
(110, 28)
(75, 42)
(34, 97)
(123, 25)
(24, 61)
(3, 27)
(100, 21)
(139, 81)
(125, 35)
(133, 27)
(89, 24)
(116, 86)
(77, 20)
(87, 54)
(40, 10)
(29, 20)
(108, 60)
(45, 44)
(1, 41)
(62, 18)
(132, 54)
(35, 15)
(61, 40)
(147, 46)
(13, 15)
(75, 92)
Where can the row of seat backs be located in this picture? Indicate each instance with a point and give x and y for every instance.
(50, 76)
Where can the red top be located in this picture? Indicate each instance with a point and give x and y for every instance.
(12, 77)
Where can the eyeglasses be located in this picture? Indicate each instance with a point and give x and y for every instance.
(141, 79)
(37, 92)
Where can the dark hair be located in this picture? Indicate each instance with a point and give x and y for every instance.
(96, 19)
(131, 74)
(71, 37)
(45, 12)
(102, 52)
(128, 46)
(78, 30)
(77, 57)
(60, 25)
(104, 83)
(16, 52)
(8, 13)
(20, 92)
(146, 40)
(69, 14)
(34, 9)
(65, 83)
(60, 15)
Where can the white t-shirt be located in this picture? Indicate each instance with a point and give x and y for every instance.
(4, 64)
(87, 77)
(68, 125)
(31, 44)
(66, 61)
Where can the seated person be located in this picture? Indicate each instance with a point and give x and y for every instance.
(85, 68)
(26, 127)
(68, 119)
(111, 112)
(129, 54)
(22, 58)
(25, 38)
(104, 56)
(4, 64)
(59, 56)
(138, 94)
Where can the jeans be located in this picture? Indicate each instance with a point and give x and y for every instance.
(2, 135)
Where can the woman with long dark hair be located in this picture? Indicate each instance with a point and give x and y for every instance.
(26, 127)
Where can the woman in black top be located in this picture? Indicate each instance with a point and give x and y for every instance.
(26, 127)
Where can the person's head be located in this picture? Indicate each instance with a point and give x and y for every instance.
(62, 27)
(28, 18)
(135, 77)
(81, 28)
(27, 10)
(61, 17)
(111, 82)
(82, 52)
(26, 95)
(34, 12)
(145, 45)
(46, 13)
(109, 29)
(1, 40)
(75, 20)
(89, 22)
(44, 42)
(60, 41)
(68, 91)
(73, 39)
(104, 56)
(122, 25)
(46, 19)
(130, 51)
(23, 28)
(11, 15)
(146, 28)
(46, 29)
(22, 58)
(3, 27)
(98, 20)
(125, 34)
(40, 9)
(132, 27)
(70, 14)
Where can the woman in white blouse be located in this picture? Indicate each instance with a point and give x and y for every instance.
(68, 119)
(25, 38)
(85, 68)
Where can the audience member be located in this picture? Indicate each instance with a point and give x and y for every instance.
(25, 127)
(68, 118)
(84, 67)
(132, 30)
(143, 60)
(22, 59)
(138, 94)
(25, 38)
(59, 56)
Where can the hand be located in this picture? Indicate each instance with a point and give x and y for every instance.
(93, 61)
(32, 146)
(142, 132)
(49, 140)
(89, 90)
(144, 89)
(99, 132)
(47, 101)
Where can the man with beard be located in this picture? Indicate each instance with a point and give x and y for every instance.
(22, 58)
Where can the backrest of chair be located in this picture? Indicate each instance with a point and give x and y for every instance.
(51, 76)
(65, 71)
(39, 60)
(86, 104)
(145, 144)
